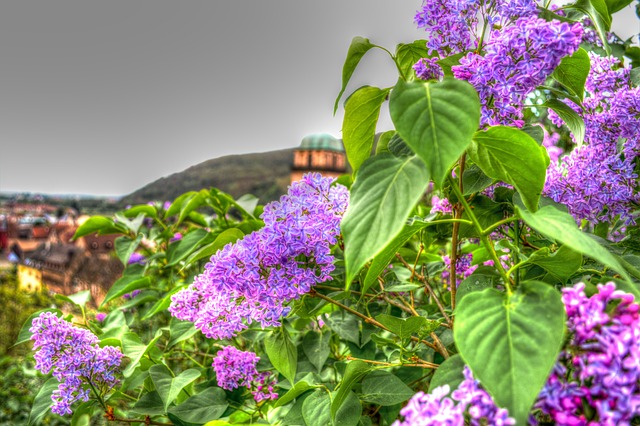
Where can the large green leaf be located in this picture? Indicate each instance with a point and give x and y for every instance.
(282, 353)
(408, 54)
(561, 227)
(511, 341)
(381, 260)
(449, 373)
(125, 246)
(315, 346)
(573, 71)
(599, 14)
(42, 401)
(187, 245)
(359, 46)
(384, 193)
(574, 122)
(354, 372)
(227, 236)
(315, 409)
(297, 390)
(512, 156)
(149, 404)
(126, 284)
(361, 112)
(208, 405)
(406, 327)
(134, 349)
(436, 119)
(561, 264)
(169, 386)
(349, 412)
(101, 225)
(25, 335)
(384, 388)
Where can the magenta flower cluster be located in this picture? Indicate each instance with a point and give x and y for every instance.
(469, 401)
(517, 59)
(600, 367)
(75, 358)
(597, 181)
(236, 368)
(253, 279)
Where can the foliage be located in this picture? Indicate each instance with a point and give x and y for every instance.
(456, 285)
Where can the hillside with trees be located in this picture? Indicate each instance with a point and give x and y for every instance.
(265, 175)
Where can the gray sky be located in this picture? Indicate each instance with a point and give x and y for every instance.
(103, 97)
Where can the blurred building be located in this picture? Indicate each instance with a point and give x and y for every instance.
(320, 153)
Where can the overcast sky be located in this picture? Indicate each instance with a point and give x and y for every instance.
(103, 97)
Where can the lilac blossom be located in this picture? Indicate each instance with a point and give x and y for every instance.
(468, 401)
(597, 181)
(136, 258)
(600, 366)
(100, 316)
(235, 368)
(253, 279)
(428, 69)
(450, 25)
(517, 59)
(441, 205)
(75, 358)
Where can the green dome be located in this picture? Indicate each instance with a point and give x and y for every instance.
(322, 141)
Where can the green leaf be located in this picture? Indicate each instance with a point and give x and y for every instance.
(145, 209)
(168, 386)
(384, 193)
(79, 299)
(473, 283)
(436, 119)
(597, 11)
(354, 372)
(361, 112)
(42, 401)
(190, 204)
(383, 388)
(511, 341)
(124, 285)
(382, 145)
(381, 260)
(227, 236)
(451, 61)
(175, 207)
(282, 353)
(561, 264)
(617, 5)
(189, 243)
(512, 156)
(349, 412)
(101, 225)
(574, 122)
(449, 373)
(125, 246)
(208, 405)
(634, 76)
(180, 331)
(403, 327)
(315, 409)
(561, 227)
(25, 335)
(359, 46)
(408, 54)
(474, 180)
(149, 404)
(297, 390)
(134, 349)
(572, 72)
(315, 345)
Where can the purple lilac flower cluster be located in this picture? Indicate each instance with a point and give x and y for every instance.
(428, 69)
(253, 279)
(441, 205)
(517, 59)
(600, 367)
(464, 267)
(76, 359)
(597, 181)
(469, 400)
(236, 368)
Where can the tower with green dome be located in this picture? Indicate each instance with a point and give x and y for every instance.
(320, 153)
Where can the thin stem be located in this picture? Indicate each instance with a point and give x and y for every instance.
(485, 240)
(420, 363)
(368, 319)
(453, 258)
(496, 225)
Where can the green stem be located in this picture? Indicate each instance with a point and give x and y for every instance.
(98, 397)
(483, 237)
(496, 225)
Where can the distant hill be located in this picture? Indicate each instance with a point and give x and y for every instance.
(265, 175)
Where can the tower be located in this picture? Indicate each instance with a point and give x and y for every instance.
(320, 153)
